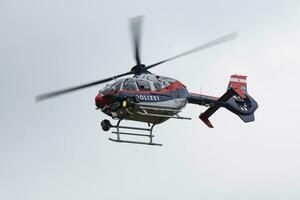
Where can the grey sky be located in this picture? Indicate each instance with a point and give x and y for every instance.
(55, 149)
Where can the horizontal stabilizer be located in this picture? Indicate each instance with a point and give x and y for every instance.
(211, 110)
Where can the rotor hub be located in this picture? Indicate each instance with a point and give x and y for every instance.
(139, 69)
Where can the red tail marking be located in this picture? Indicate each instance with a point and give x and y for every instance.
(238, 83)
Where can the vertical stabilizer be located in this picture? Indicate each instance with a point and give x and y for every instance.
(238, 83)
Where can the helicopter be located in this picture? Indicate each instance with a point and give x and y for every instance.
(153, 99)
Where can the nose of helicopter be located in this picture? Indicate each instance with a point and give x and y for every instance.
(99, 101)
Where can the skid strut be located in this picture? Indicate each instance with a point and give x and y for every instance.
(120, 132)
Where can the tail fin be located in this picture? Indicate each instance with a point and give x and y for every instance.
(236, 100)
(239, 84)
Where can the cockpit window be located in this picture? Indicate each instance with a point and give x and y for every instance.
(111, 87)
(117, 85)
(143, 85)
(129, 84)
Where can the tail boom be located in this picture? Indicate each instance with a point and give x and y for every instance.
(236, 100)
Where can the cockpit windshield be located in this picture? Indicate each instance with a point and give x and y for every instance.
(111, 87)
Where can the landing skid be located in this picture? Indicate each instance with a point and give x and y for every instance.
(119, 131)
(134, 142)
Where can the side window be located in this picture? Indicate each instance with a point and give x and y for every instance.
(129, 84)
(143, 85)
(157, 85)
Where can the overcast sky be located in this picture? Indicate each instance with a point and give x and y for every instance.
(56, 149)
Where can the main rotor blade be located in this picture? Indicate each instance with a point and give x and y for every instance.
(135, 28)
(75, 88)
(220, 40)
